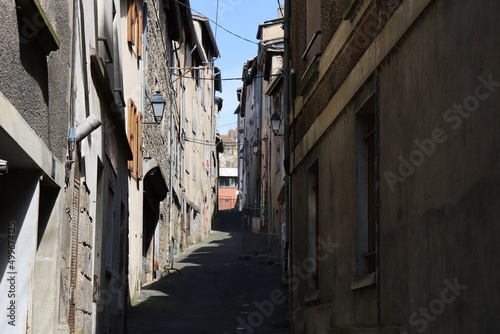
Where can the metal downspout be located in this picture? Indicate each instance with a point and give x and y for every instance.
(286, 97)
(144, 53)
(73, 158)
(171, 200)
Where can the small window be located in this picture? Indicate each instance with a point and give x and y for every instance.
(278, 160)
(366, 194)
(313, 227)
(196, 76)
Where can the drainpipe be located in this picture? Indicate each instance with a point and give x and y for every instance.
(171, 201)
(286, 97)
(144, 52)
(72, 116)
(73, 157)
(212, 136)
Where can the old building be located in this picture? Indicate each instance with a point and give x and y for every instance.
(67, 147)
(271, 148)
(98, 173)
(228, 172)
(99, 191)
(177, 173)
(394, 168)
(196, 80)
(261, 99)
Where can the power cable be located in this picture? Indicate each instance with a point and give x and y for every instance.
(281, 9)
(200, 142)
(224, 79)
(216, 24)
(227, 124)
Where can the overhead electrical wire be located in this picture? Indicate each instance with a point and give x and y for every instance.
(228, 124)
(281, 9)
(201, 142)
(224, 79)
(217, 24)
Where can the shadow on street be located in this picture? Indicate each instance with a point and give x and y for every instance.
(215, 292)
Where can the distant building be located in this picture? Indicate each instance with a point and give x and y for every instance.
(261, 151)
(228, 171)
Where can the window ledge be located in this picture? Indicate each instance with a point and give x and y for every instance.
(363, 281)
(312, 296)
(45, 33)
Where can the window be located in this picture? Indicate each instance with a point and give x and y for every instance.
(225, 181)
(278, 160)
(134, 27)
(196, 76)
(313, 26)
(313, 224)
(194, 118)
(194, 164)
(366, 195)
(135, 140)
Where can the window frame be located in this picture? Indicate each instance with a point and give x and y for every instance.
(366, 188)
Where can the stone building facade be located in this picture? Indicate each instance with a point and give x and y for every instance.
(94, 191)
(229, 158)
(177, 203)
(262, 151)
(393, 173)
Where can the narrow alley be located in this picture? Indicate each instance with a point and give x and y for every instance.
(249, 166)
(215, 290)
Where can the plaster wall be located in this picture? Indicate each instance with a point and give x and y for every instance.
(436, 85)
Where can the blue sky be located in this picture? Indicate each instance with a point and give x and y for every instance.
(242, 17)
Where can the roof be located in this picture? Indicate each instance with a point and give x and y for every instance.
(229, 137)
(208, 30)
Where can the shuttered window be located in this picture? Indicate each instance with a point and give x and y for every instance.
(134, 27)
(135, 140)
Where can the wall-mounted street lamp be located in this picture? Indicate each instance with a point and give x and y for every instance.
(158, 104)
(255, 147)
(275, 124)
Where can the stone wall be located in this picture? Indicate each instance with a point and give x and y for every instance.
(157, 138)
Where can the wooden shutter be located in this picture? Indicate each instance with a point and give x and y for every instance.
(132, 136)
(135, 140)
(131, 22)
(139, 34)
